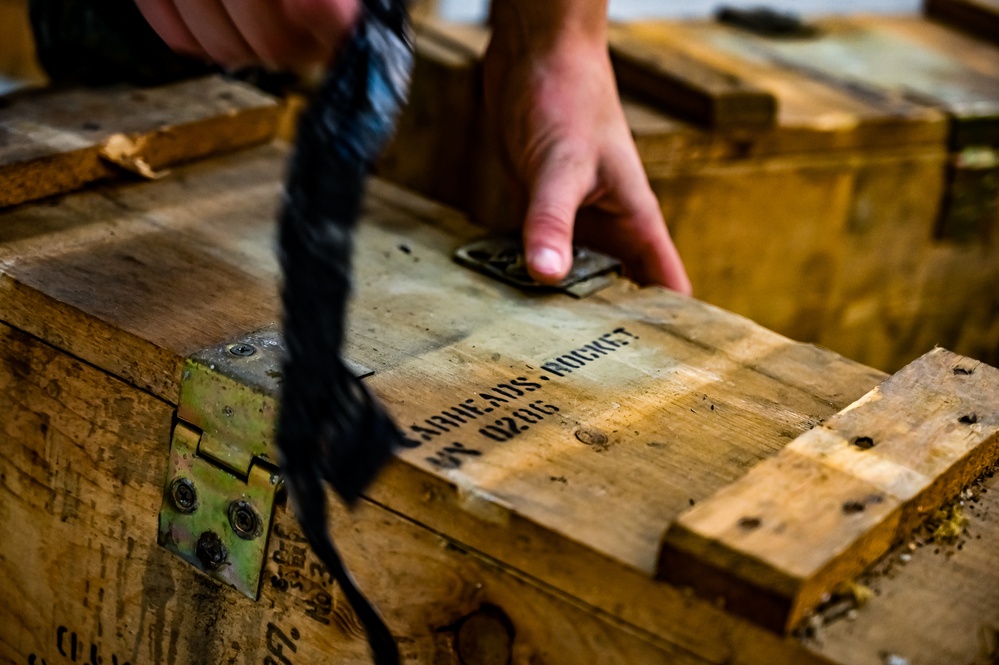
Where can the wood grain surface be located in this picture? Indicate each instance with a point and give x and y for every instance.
(834, 501)
(84, 465)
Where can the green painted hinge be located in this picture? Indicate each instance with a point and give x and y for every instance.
(223, 477)
(222, 480)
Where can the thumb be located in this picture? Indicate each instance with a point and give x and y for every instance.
(560, 186)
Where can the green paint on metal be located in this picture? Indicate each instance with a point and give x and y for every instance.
(223, 452)
(217, 489)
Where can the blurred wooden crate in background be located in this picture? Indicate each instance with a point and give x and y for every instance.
(855, 220)
(18, 66)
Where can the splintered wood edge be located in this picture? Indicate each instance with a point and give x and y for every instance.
(251, 119)
(774, 543)
(691, 89)
(972, 16)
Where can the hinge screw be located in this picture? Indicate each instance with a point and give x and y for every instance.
(211, 551)
(242, 350)
(183, 495)
(244, 520)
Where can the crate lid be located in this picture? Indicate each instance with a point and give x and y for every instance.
(852, 82)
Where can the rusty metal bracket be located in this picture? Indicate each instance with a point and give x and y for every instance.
(223, 478)
(503, 259)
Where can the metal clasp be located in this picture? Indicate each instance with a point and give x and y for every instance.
(503, 259)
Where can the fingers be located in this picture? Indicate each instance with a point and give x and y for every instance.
(655, 259)
(164, 18)
(235, 33)
(215, 31)
(630, 225)
(276, 40)
(560, 184)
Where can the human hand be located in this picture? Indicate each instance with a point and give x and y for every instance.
(279, 34)
(555, 106)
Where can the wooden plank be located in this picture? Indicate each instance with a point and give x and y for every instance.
(84, 462)
(814, 110)
(690, 88)
(932, 600)
(834, 501)
(978, 17)
(909, 64)
(53, 141)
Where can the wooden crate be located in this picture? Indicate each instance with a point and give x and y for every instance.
(855, 222)
(573, 456)
(977, 17)
(18, 66)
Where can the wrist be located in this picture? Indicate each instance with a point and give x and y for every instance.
(544, 27)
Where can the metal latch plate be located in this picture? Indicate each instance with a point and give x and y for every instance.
(503, 258)
(213, 519)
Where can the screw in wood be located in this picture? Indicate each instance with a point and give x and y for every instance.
(183, 495)
(242, 350)
(244, 520)
(211, 551)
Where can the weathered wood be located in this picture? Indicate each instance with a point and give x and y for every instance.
(690, 89)
(52, 142)
(567, 514)
(932, 601)
(915, 60)
(785, 535)
(978, 17)
(80, 283)
(83, 469)
(813, 112)
(836, 215)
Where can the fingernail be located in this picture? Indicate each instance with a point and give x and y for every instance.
(547, 261)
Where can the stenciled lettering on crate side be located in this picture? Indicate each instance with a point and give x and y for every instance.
(299, 575)
(73, 649)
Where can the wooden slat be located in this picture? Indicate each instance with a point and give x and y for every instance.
(978, 17)
(914, 59)
(689, 88)
(52, 141)
(775, 542)
(814, 111)
(932, 601)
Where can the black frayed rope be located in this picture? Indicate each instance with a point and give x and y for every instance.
(331, 428)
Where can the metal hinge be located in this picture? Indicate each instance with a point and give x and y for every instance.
(223, 480)
(213, 517)
(503, 258)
